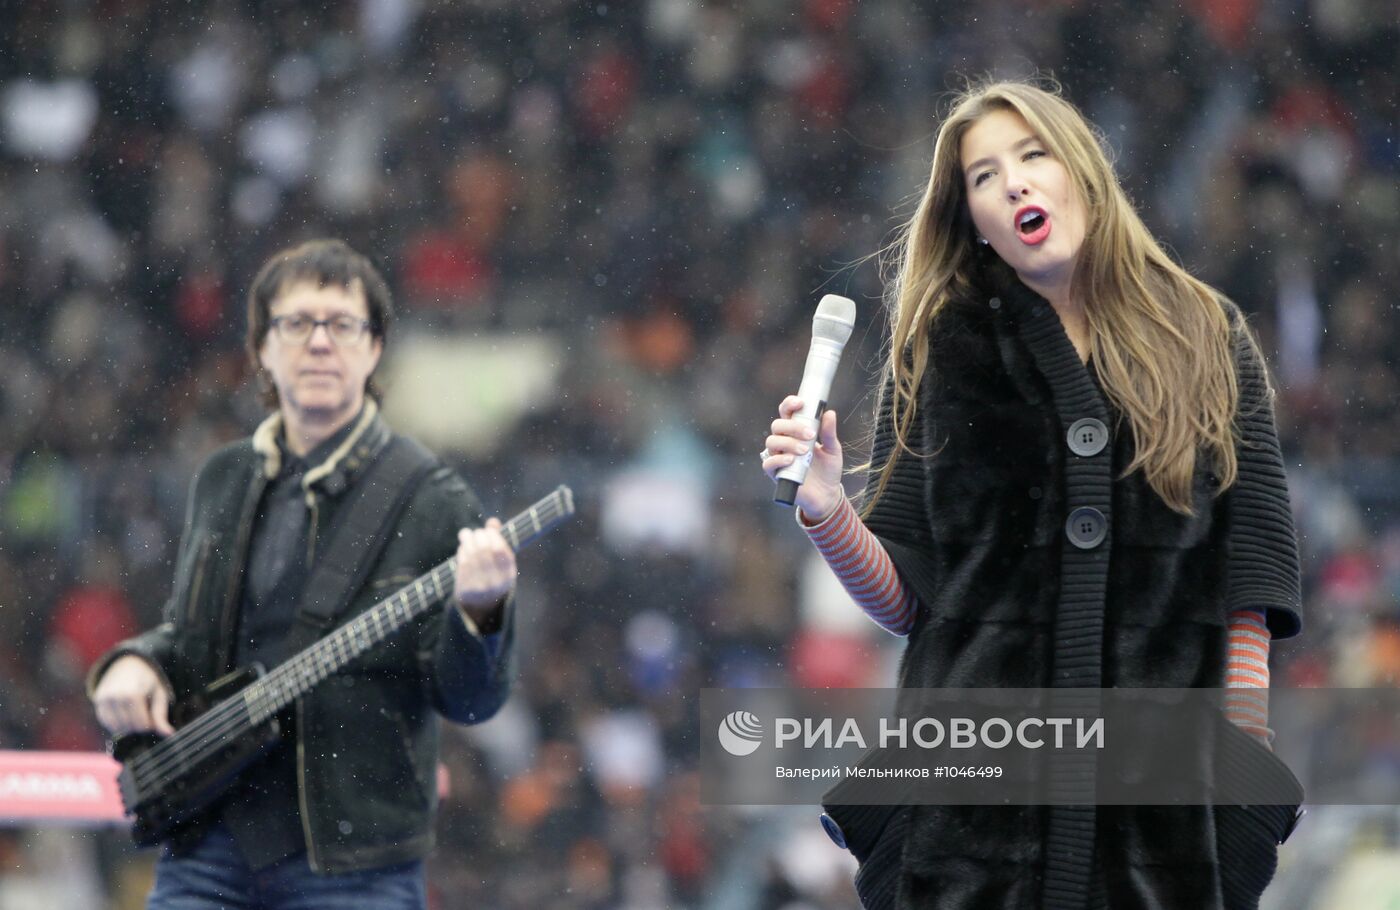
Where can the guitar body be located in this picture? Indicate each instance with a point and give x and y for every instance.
(167, 804)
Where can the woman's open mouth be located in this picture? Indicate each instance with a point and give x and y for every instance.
(1032, 225)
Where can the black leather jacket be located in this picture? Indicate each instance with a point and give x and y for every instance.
(367, 738)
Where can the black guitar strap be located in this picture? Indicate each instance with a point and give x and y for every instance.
(359, 533)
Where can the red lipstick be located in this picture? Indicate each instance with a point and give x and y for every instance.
(1032, 224)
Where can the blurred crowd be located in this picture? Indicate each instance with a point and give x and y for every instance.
(661, 189)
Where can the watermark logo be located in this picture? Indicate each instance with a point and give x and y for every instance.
(740, 733)
(1065, 746)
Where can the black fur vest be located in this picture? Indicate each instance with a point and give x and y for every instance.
(1036, 565)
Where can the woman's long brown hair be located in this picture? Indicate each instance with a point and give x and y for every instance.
(1160, 339)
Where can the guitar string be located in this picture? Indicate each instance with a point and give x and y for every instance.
(159, 759)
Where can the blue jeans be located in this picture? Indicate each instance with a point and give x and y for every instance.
(213, 876)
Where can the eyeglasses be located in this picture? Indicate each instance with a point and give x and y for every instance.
(296, 328)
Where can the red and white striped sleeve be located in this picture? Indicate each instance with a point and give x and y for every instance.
(1247, 673)
(868, 575)
(863, 567)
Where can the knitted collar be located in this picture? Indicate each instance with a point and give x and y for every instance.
(362, 441)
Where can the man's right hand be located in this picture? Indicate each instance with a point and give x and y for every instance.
(130, 697)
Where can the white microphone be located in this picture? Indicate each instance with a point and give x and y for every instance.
(831, 328)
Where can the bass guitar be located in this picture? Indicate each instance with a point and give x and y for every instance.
(166, 782)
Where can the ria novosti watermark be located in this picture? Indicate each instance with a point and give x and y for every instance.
(1042, 746)
(741, 733)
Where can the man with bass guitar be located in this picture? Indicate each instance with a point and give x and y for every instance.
(319, 515)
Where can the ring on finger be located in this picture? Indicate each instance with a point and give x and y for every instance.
(765, 454)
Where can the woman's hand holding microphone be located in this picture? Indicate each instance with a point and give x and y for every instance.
(821, 492)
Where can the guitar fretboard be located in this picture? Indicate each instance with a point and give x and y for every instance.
(297, 676)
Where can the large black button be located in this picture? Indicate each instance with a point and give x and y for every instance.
(833, 831)
(1087, 436)
(1086, 527)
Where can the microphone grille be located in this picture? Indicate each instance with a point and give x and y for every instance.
(835, 318)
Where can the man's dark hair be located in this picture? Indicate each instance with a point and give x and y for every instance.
(322, 263)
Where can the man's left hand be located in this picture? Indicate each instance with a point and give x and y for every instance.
(485, 571)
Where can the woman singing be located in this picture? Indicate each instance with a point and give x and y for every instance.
(1075, 481)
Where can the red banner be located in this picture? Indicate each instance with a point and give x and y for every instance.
(59, 786)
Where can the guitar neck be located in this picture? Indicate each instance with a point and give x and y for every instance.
(294, 678)
(298, 675)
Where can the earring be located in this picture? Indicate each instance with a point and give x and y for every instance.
(982, 240)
